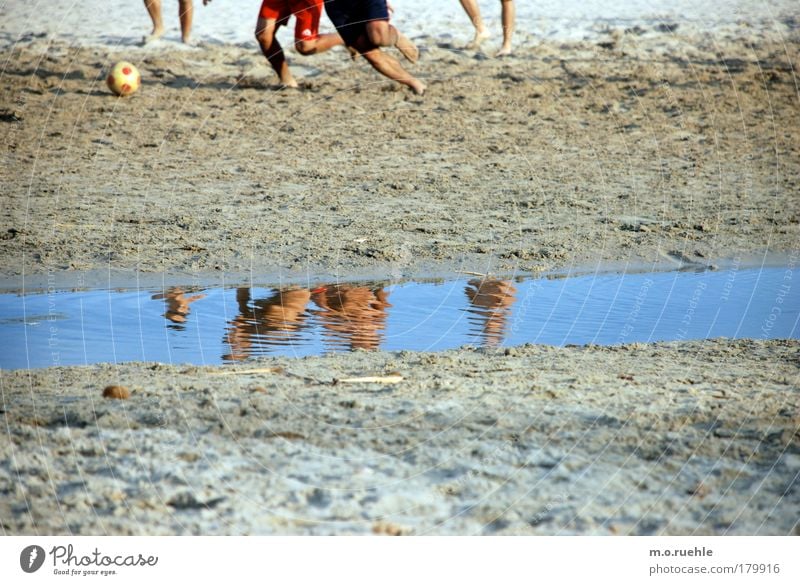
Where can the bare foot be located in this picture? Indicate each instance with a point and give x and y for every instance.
(480, 36)
(289, 83)
(407, 48)
(153, 36)
(416, 85)
(504, 51)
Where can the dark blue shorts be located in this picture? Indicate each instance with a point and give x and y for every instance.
(350, 17)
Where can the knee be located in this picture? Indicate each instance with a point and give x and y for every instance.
(264, 37)
(185, 4)
(376, 38)
(305, 47)
(378, 34)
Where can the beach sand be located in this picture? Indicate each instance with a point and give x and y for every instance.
(691, 438)
(564, 155)
(652, 150)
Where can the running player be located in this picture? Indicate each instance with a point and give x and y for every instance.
(364, 26)
(276, 13)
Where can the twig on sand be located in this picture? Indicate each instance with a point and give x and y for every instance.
(470, 273)
(391, 379)
(253, 371)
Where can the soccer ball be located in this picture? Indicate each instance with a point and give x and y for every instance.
(124, 79)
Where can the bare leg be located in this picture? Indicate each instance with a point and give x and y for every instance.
(319, 45)
(474, 13)
(186, 10)
(508, 27)
(408, 49)
(382, 34)
(154, 10)
(391, 68)
(265, 35)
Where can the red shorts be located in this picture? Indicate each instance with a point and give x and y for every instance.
(306, 14)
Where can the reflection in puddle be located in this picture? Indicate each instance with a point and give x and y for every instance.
(353, 317)
(275, 321)
(177, 306)
(490, 309)
(215, 325)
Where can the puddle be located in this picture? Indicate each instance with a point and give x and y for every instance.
(223, 325)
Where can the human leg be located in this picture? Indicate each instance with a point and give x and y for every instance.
(350, 19)
(308, 41)
(382, 34)
(508, 15)
(319, 45)
(185, 13)
(474, 13)
(391, 68)
(154, 10)
(266, 28)
(368, 18)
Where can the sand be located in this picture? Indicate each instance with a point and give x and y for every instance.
(645, 148)
(692, 438)
(563, 155)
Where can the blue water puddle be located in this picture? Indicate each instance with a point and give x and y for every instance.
(223, 325)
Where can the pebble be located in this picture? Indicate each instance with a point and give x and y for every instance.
(116, 392)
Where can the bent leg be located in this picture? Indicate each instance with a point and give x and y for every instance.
(508, 26)
(272, 50)
(186, 10)
(154, 10)
(382, 34)
(391, 68)
(319, 45)
(474, 13)
(307, 39)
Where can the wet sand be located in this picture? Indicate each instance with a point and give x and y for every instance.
(649, 150)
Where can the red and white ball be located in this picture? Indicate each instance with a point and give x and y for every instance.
(124, 79)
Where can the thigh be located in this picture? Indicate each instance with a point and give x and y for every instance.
(351, 16)
(266, 25)
(307, 14)
(277, 10)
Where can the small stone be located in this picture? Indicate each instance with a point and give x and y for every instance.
(117, 496)
(388, 529)
(116, 392)
(699, 490)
